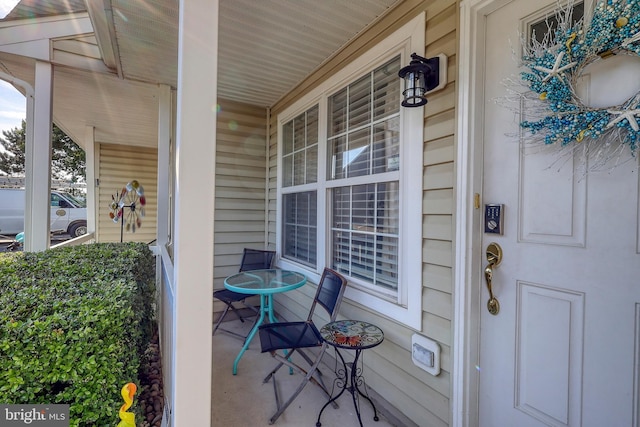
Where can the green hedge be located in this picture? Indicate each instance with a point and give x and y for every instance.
(73, 324)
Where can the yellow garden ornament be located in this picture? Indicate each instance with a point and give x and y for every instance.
(127, 418)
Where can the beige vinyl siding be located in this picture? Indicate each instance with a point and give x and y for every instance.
(422, 397)
(118, 165)
(241, 170)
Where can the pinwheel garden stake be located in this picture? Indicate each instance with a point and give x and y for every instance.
(127, 207)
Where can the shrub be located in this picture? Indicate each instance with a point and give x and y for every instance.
(73, 324)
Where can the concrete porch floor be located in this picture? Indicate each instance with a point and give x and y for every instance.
(243, 399)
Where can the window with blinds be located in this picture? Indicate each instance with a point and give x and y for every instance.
(300, 168)
(300, 227)
(365, 233)
(350, 165)
(363, 147)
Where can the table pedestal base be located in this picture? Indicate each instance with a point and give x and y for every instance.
(351, 384)
(266, 310)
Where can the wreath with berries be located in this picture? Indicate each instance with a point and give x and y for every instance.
(555, 64)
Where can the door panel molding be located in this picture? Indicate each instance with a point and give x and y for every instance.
(549, 347)
(552, 198)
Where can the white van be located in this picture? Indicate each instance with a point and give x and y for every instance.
(68, 214)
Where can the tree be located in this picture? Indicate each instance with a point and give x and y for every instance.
(67, 159)
(12, 157)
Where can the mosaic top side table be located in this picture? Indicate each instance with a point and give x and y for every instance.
(351, 335)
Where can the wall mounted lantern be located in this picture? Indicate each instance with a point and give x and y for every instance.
(422, 75)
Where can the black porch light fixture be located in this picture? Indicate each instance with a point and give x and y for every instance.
(420, 76)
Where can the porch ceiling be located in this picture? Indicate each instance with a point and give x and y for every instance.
(265, 49)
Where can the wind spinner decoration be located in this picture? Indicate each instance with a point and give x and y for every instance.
(127, 207)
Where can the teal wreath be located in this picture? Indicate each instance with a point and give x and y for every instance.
(555, 64)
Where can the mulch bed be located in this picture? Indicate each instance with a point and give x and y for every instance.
(151, 399)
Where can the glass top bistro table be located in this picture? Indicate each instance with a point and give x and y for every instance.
(351, 335)
(264, 283)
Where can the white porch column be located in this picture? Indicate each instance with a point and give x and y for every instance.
(38, 160)
(164, 163)
(194, 202)
(90, 162)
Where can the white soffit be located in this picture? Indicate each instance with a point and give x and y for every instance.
(267, 47)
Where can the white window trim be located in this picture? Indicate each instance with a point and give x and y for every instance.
(406, 40)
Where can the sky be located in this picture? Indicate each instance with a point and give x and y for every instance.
(6, 6)
(12, 103)
(12, 107)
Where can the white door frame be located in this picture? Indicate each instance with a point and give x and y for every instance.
(466, 296)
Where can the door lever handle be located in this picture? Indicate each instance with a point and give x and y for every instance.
(494, 256)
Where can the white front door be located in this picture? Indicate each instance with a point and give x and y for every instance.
(564, 348)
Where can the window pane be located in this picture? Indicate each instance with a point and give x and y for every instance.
(372, 144)
(299, 132)
(387, 262)
(55, 200)
(337, 164)
(312, 164)
(287, 138)
(548, 26)
(388, 207)
(357, 157)
(360, 102)
(312, 126)
(299, 170)
(300, 149)
(363, 207)
(362, 256)
(342, 207)
(341, 251)
(300, 227)
(386, 87)
(386, 146)
(365, 223)
(287, 171)
(337, 115)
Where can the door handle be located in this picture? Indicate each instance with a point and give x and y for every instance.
(494, 256)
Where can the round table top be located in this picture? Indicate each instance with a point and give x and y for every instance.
(264, 281)
(352, 334)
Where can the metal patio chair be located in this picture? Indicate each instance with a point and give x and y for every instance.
(283, 339)
(252, 259)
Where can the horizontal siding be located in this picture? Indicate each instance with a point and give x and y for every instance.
(439, 151)
(444, 22)
(443, 100)
(437, 302)
(389, 370)
(438, 204)
(437, 252)
(439, 125)
(438, 201)
(240, 187)
(438, 177)
(437, 277)
(437, 227)
(437, 328)
(118, 165)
